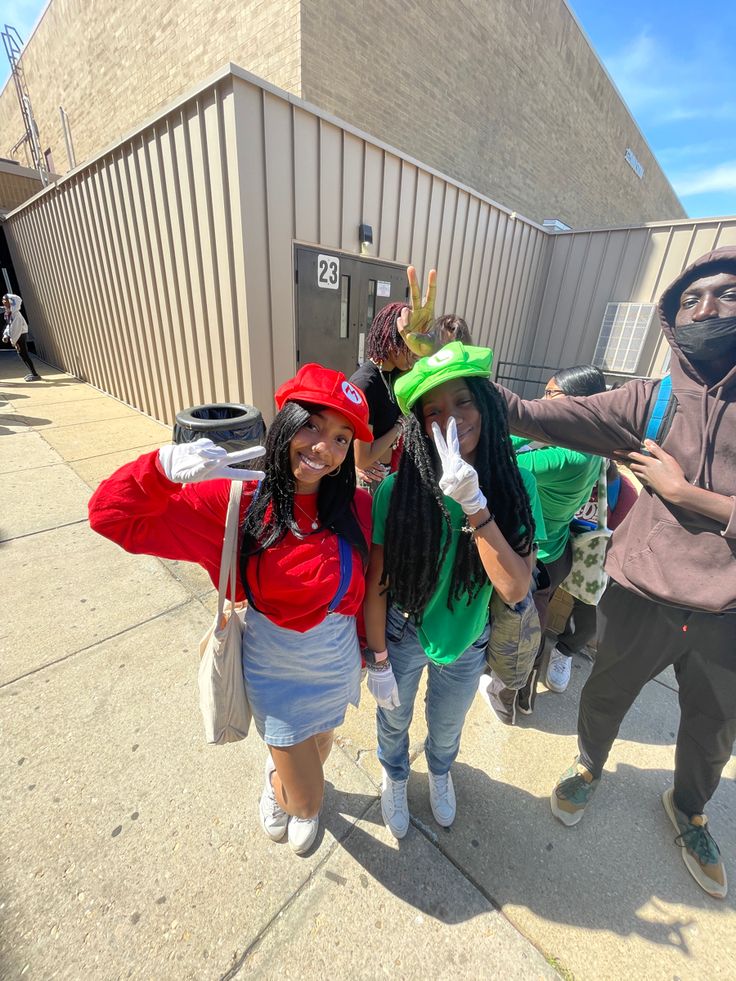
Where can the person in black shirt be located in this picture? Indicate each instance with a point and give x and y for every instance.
(388, 357)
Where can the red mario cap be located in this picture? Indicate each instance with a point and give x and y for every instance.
(324, 386)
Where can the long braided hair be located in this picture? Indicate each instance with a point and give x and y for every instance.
(418, 527)
(384, 339)
(265, 526)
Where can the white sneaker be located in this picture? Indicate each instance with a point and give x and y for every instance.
(442, 799)
(273, 817)
(394, 806)
(558, 671)
(302, 832)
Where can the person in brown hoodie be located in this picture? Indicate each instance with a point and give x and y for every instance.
(672, 562)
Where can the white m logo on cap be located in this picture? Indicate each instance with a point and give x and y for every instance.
(350, 392)
(441, 357)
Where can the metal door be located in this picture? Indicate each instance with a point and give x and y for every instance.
(337, 296)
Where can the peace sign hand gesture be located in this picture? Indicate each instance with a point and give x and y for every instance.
(189, 463)
(459, 480)
(415, 325)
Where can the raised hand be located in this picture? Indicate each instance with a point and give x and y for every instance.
(415, 324)
(459, 479)
(188, 463)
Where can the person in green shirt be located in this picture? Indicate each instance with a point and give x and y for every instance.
(565, 479)
(455, 522)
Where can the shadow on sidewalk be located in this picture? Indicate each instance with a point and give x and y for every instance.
(400, 867)
(614, 872)
(28, 421)
(557, 714)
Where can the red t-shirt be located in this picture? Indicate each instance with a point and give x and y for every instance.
(293, 582)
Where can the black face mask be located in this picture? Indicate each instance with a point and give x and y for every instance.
(709, 340)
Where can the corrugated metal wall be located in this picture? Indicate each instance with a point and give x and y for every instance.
(163, 271)
(589, 269)
(128, 269)
(306, 178)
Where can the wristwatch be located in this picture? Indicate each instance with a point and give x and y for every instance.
(369, 656)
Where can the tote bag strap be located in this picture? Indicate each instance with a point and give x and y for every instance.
(603, 496)
(229, 558)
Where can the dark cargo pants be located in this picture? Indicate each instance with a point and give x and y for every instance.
(638, 638)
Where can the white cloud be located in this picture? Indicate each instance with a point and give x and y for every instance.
(631, 70)
(694, 91)
(719, 178)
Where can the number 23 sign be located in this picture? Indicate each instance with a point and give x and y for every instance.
(328, 272)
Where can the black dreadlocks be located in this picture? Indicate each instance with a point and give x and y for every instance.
(415, 546)
(384, 339)
(334, 497)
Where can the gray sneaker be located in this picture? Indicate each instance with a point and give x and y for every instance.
(394, 805)
(558, 670)
(442, 798)
(302, 832)
(274, 818)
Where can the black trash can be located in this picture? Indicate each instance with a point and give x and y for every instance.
(234, 426)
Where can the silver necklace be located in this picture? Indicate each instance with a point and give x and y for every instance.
(314, 522)
(389, 389)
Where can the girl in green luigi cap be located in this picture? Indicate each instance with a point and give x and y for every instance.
(455, 522)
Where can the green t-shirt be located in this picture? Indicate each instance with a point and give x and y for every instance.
(446, 634)
(565, 479)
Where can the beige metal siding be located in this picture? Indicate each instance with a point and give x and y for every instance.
(163, 272)
(132, 270)
(306, 178)
(587, 270)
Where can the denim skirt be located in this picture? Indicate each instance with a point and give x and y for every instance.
(300, 684)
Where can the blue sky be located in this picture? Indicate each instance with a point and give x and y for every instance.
(672, 62)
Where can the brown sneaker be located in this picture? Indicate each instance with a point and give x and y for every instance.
(572, 792)
(700, 853)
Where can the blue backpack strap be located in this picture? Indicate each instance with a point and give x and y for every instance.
(661, 411)
(346, 572)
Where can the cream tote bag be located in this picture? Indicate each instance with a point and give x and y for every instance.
(222, 699)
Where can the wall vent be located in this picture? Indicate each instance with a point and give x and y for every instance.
(623, 333)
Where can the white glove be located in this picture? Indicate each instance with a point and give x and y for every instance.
(188, 463)
(459, 480)
(382, 685)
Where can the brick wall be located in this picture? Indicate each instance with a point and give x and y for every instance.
(505, 96)
(113, 64)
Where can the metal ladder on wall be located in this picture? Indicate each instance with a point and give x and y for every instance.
(13, 48)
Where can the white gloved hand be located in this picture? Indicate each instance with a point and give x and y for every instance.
(188, 463)
(382, 685)
(459, 480)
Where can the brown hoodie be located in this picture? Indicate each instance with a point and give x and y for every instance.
(660, 551)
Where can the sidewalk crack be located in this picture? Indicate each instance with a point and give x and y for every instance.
(237, 966)
(97, 643)
(42, 531)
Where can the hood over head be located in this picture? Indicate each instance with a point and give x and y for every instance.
(687, 380)
(716, 261)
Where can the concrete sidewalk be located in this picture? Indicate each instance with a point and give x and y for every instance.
(132, 849)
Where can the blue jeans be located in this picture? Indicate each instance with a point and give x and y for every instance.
(450, 692)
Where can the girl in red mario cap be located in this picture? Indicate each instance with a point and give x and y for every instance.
(305, 534)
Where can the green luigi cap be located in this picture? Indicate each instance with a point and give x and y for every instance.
(454, 360)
